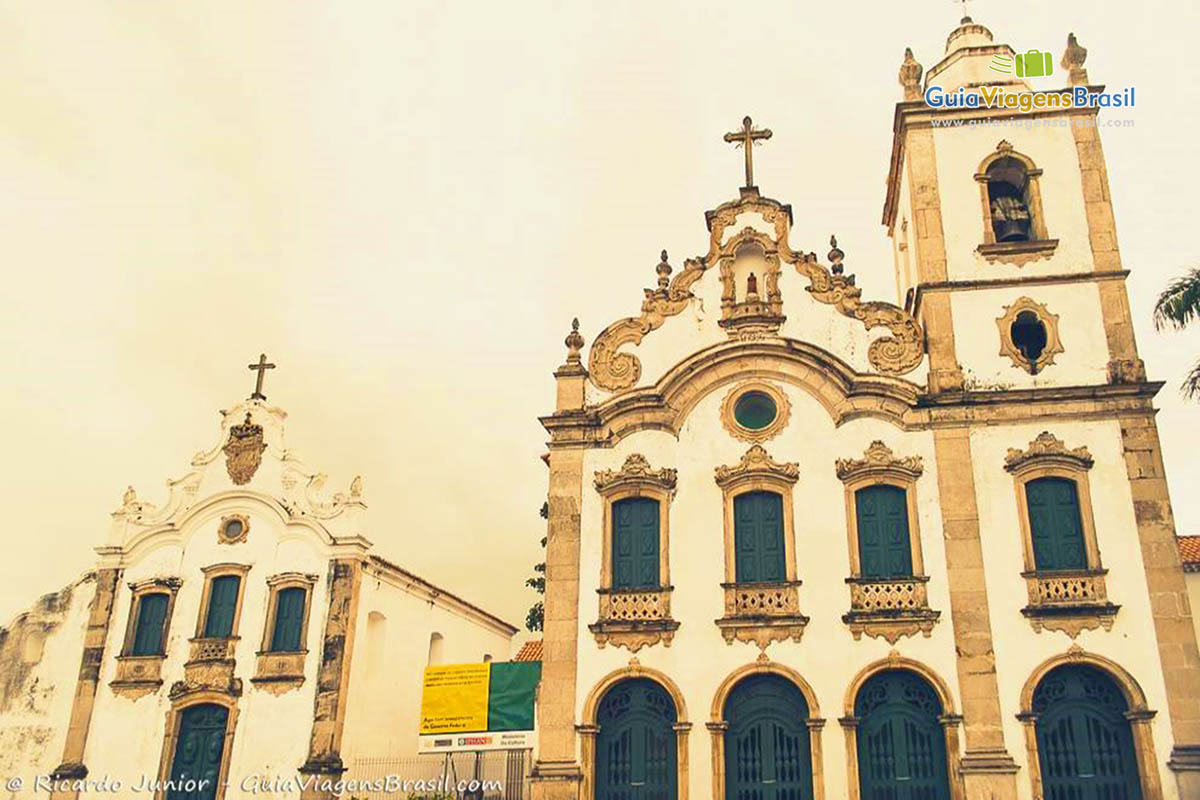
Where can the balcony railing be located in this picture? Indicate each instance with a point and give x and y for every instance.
(890, 608)
(635, 618)
(1068, 601)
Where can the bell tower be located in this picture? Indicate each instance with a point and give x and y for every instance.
(1001, 220)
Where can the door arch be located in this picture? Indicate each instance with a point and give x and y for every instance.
(768, 754)
(635, 746)
(199, 753)
(901, 746)
(1084, 739)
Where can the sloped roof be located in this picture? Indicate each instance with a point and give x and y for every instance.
(1189, 553)
(532, 650)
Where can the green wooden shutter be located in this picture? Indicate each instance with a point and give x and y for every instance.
(758, 537)
(884, 545)
(1055, 524)
(289, 619)
(635, 543)
(222, 606)
(151, 616)
(199, 751)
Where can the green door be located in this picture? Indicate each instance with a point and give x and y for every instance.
(758, 537)
(196, 767)
(884, 548)
(635, 543)
(1055, 525)
(635, 748)
(767, 751)
(901, 746)
(222, 606)
(1085, 746)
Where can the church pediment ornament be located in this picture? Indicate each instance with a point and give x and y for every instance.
(878, 459)
(757, 463)
(1047, 448)
(636, 471)
(896, 354)
(243, 451)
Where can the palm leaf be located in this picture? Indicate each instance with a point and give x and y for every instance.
(1179, 303)
(1191, 384)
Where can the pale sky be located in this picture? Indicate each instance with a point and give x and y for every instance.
(404, 203)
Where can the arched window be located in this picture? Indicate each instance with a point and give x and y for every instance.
(759, 555)
(884, 543)
(767, 749)
(636, 743)
(1084, 740)
(635, 532)
(900, 741)
(150, 622)
(1055, 524)
(1012, 201)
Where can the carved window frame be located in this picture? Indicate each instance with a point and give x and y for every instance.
(1009, 348)
(278, 671)
(761, 612)
(1019, 253)
(211, 573)
(138, 675)
(879, 466)
(1048, 457)
(635, 479)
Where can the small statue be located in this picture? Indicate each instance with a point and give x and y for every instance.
(751, 287)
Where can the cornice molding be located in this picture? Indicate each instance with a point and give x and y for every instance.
(878, 459)
(757, 463)
(1047, 448)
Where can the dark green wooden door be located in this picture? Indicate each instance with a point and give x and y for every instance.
(1055, 525)
(196, 767)
(289, 619)
(1085, 746)
(222, 606)
(635, 543)
(884, 548)
(151, 616)
(767, 751)
(901, 746)
(758, 537)
(635, 748)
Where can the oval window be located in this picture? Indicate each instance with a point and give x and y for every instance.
(755, 410)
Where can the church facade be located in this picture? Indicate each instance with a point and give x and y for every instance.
(806, 544)
(243, 638)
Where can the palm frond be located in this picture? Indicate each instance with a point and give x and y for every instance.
(1179, 303)
(1191, 384)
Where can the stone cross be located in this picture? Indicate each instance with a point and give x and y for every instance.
(261, 368)
(745, 138)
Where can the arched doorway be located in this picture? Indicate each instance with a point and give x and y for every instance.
(768, 755)
(901, 744)
(199, 749)
(1084, 740)
(635, 746)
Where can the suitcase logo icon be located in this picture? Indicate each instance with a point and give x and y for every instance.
(1034, 64)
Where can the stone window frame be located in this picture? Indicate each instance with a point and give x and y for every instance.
(174, 719)
(279, 671)
(1019, 253)
(760, 613)
(1065, 600)
(783, 411)
(887, 608)
(138, 675)
(1009, 348)
(636, 617)
(211, 573)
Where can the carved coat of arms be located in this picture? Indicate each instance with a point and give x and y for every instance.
(243, 451)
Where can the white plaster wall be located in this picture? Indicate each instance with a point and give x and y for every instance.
(1080, 327)
(271, 738)
(699, 659)
(1131, 642)
(390, 655)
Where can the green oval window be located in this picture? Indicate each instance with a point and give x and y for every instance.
(755, 410)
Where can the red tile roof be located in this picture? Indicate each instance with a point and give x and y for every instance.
(532, 651)
(1189, 553)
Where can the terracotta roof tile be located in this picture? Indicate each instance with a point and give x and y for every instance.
(1189, 553)
(532, 651)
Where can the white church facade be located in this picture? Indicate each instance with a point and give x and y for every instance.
(244, 633)
(806, 544)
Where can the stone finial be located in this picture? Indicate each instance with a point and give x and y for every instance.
(356, 488)
(836, 257)
(574, 343)
(129, 498)
(910, 76)
(664, 275)
(1072, 61)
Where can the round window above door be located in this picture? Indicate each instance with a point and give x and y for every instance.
(755, 411)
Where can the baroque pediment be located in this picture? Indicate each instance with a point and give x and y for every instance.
(750, 252)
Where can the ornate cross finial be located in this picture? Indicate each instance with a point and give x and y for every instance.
(965, 17)
(745, 138)
(261, 368)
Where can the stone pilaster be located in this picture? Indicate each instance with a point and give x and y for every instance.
(324, 764)
(99, 618)
(1169, 605)
(987, 769)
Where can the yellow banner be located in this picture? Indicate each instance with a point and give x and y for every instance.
(454, 698)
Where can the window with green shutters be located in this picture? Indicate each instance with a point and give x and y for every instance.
(289, 619)
(222, 606)
(149, 621)
(635, 551)
(759, 555)
(884, 543)
(1055, 524)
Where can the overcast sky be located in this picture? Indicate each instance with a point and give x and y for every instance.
(404, 203)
